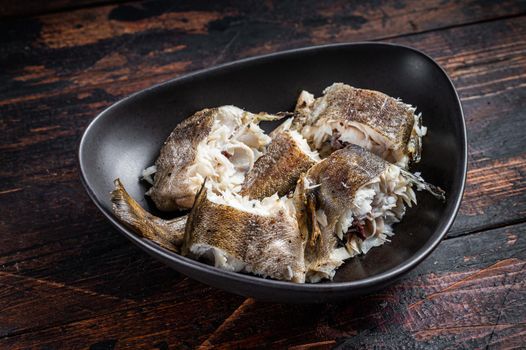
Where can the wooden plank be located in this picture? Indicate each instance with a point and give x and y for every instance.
(118, 37)
(471, 292)
(37, 7)
(101, 277)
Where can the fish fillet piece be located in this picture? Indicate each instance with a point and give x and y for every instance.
(279, 168)
(220, 144)
(351, 199)
(323, 253)
(243, 235)
(167, 233)
(373, 120)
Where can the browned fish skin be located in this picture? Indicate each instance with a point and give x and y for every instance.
(333, 184)
(386, 115)
(177, 155)
(167, 233)
(278, 169)
(248, 237)
(341, 174)
(320, 244)
(377, 110)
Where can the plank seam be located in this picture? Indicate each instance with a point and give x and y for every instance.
(64, 10)
(446, 27)
(148, 304)
(484, 228)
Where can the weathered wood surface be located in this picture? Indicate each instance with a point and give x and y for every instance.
(15, 9)
(470, 293)
(69, 279)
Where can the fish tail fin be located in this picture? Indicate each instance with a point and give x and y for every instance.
(167, 233)
(125, 207)
(200, 198)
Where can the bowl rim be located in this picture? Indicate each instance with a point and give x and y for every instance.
(368, 282)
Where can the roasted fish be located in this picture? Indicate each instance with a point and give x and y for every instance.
(279, 168)
(346, 115)
(267, 204)
(351, 199)
(167, 233)
(239, 234)
(286, 157)
(220, 144)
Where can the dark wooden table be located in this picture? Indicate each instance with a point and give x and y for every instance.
(69, 280)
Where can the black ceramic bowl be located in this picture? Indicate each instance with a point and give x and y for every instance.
(126, 138)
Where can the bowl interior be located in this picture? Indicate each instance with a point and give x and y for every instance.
(126, 138)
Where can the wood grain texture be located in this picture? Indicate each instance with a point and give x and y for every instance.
(69, 280)
(23, 8)
(490, 78)
(470, 293)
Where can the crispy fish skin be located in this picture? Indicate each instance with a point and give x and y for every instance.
(170, 190)
(270, 246)
(278, 169)
(167, 233)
